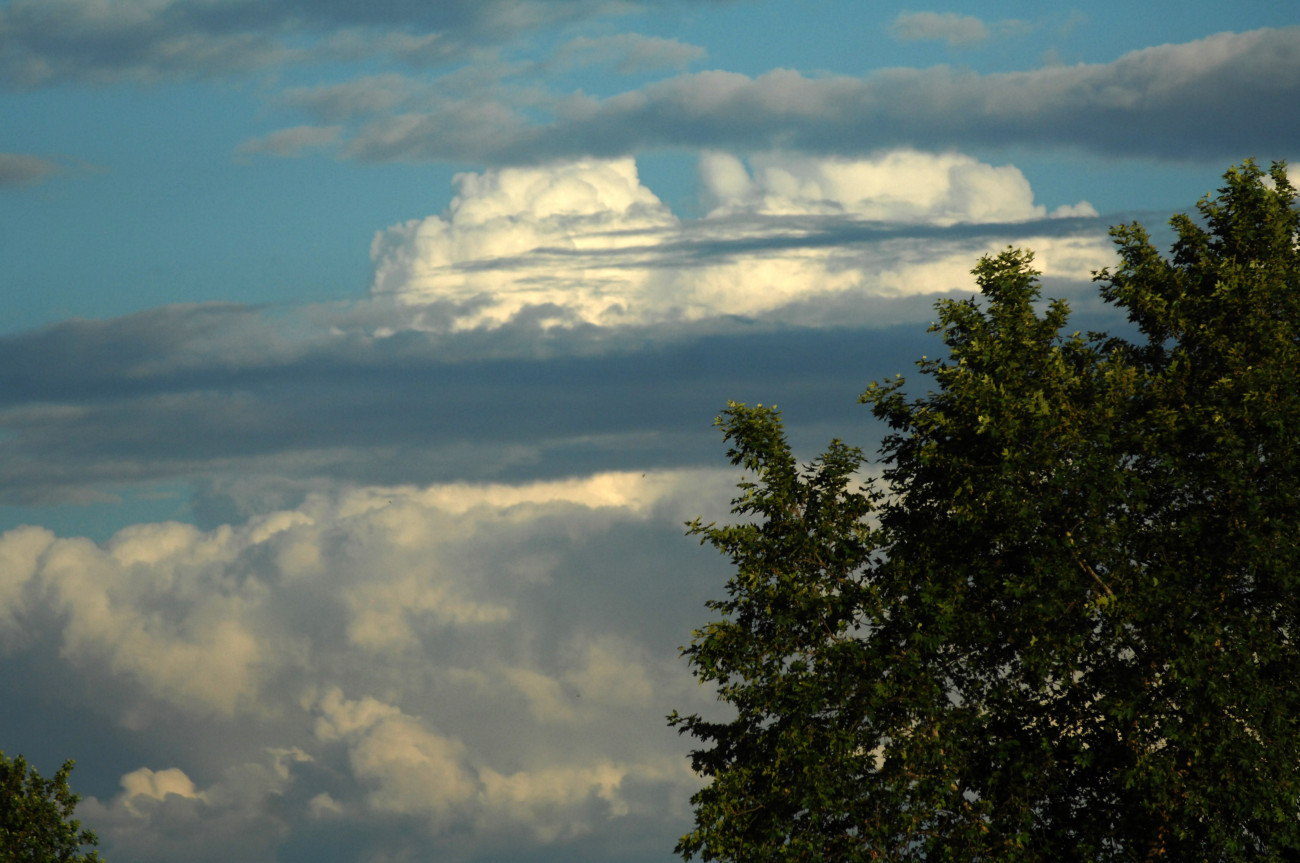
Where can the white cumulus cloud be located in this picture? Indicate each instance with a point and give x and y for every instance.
(533, 234)
(451, 654)
(898, 186)
(407, 767)
(157, 784)
(586, 242)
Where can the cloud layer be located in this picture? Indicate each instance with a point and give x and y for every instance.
(586, 242)
(1152, 102)
(492, 329)
(53, 41)
(221, 396)
(468, 660)
(1195, 100)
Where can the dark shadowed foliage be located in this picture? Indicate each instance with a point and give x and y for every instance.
(36, 823)
(1061, 623)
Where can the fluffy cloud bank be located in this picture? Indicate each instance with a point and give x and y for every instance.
(465, 659)
(586, 242)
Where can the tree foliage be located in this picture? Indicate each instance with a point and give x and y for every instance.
(36, 823)
(1061, 623)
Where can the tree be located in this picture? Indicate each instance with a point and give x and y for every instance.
(1061, 624)
(36, 823)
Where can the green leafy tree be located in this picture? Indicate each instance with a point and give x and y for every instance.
(36, 823)
(1061, 624)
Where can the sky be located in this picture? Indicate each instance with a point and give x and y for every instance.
(359, 363)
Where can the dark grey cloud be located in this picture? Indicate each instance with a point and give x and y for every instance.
(1214, 98)
(50, 41)
(90, 405)
(72, 40)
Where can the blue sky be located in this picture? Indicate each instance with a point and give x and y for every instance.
(359, 362)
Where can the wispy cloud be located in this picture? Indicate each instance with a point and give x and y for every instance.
(292, 142)
(48, 41)
(629, 53)
(947, 27)
(1154, 102)
(20, 169)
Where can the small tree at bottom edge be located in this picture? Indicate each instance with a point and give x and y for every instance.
(36, 823)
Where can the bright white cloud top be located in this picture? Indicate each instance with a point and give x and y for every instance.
(587, 242)
(309, 555)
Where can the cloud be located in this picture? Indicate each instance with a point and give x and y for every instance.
(292, 142)
(411, 769)
(275, 416)
(551, 320)
(629, 53)
(586, 242)
(156, 785)
(582, 209)
(201, 655)
(50, 41)
(1198, 99)
(902, 186)
(204, 621)
(19, 169)
(947, 27)
(441, 732)
(362, 97)
(163, 815)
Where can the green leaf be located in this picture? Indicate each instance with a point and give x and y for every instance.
(1060, 624)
